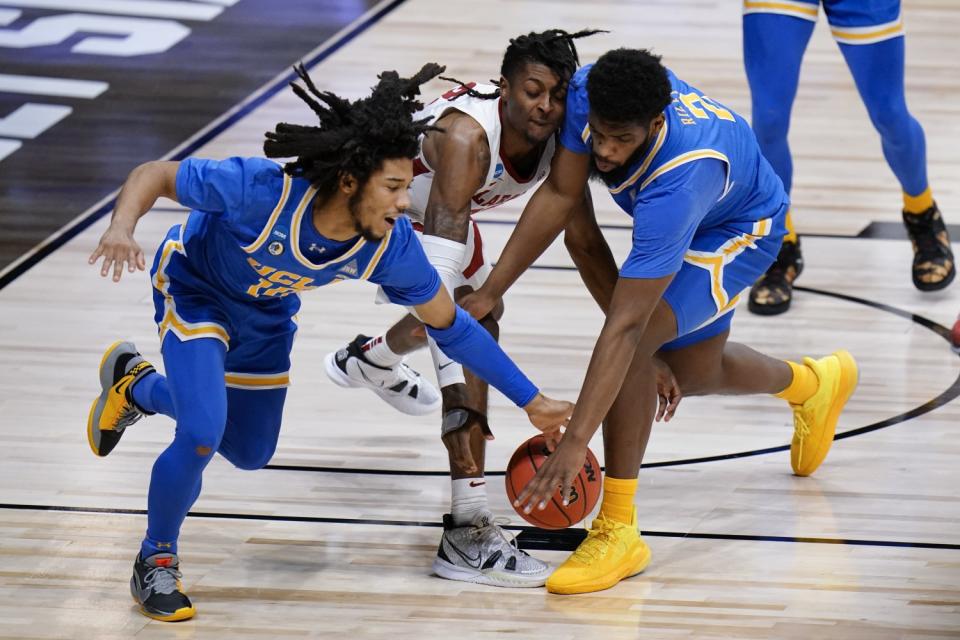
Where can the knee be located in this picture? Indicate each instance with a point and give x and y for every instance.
(200, 443)
(770, 123)
(889, 116)
(249, 456)
(491, 325)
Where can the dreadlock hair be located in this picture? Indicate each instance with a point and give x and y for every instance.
(553, 48)
(628, 86)
(354, 138)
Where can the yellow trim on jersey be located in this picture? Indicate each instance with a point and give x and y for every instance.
(257, 380)
(376, 256)
(295, 237)
(683, 159)
(171, 319)
(791, 8)
(714, 261)
(661, 137)
(281, 203)
(868, 35)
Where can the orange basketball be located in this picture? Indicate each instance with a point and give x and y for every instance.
(524, 463)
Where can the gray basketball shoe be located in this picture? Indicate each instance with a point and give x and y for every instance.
(482, 554)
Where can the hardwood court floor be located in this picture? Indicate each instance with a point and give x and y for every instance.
(869, 547)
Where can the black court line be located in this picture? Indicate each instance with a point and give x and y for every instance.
(51, 244)
(948, 395)
(535, 534)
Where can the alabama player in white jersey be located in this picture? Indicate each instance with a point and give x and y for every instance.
(496, 144)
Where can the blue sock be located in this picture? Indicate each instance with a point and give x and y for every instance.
(878, 72)
(152, 394)
(195, 392)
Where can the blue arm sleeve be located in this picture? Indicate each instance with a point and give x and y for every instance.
(666, 216)
(404, 272)
(472, 346)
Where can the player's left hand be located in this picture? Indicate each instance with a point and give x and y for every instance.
(549, 416)
(559, 470)
(668, 390)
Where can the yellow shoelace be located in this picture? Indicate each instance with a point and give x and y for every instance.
(599, 537)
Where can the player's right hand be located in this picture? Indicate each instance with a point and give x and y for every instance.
(116, 247)
(549, 416)
(478, 304)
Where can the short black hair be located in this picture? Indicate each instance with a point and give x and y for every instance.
(354, 138)
(628, 86)
(553, 48)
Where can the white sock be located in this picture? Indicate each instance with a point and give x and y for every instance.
(377, 351)
(468, 498)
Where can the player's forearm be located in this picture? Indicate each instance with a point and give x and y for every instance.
(592, 256)
(472, 346)
(542, 220)
(611, 359)
(140, 191)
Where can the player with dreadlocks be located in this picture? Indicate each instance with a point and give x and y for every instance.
(224, 278)
(494, 143)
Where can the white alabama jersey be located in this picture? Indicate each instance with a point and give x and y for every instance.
(502, 182)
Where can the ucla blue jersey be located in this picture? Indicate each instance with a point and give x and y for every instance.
(236, 267)
(707, 207)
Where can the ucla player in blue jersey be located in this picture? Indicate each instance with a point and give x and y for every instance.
(708, 217)
(871, 38)
(226, 287)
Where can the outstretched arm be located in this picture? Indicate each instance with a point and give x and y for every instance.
(143, 187)
(542, 220)
(464, 340)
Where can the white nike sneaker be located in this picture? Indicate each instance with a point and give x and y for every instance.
(482, 554)
(400, 386)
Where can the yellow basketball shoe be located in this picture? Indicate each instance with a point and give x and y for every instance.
(114, 409)
(815, 421)
(612, 551)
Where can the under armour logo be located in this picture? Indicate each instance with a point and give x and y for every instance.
(317, 248)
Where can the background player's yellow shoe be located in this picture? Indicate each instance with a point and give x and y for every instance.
(612, 551)
(114, 409)
(815, 421)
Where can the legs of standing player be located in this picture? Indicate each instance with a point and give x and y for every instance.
(878, 71)
(773, 48)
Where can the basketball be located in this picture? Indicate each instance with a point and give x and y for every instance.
(523, 465)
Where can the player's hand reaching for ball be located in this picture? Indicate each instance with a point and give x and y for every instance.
(117, 247)
(558, 470)
(549, 416)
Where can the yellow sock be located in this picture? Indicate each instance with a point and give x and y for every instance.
(791, 232)
(618, 499)
(803, 386)
(919, 203)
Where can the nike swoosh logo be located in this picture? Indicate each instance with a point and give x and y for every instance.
(473, 562)
(444, 366)
(477, 484)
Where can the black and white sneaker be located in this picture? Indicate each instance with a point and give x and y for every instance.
(482, 554)
(933, 266)
(156, 587)
(400, 386)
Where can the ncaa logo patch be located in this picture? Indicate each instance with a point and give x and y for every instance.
(275, 248)
(498, 170)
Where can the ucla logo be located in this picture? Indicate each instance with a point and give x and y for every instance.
(498, 170)
(275, 248)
